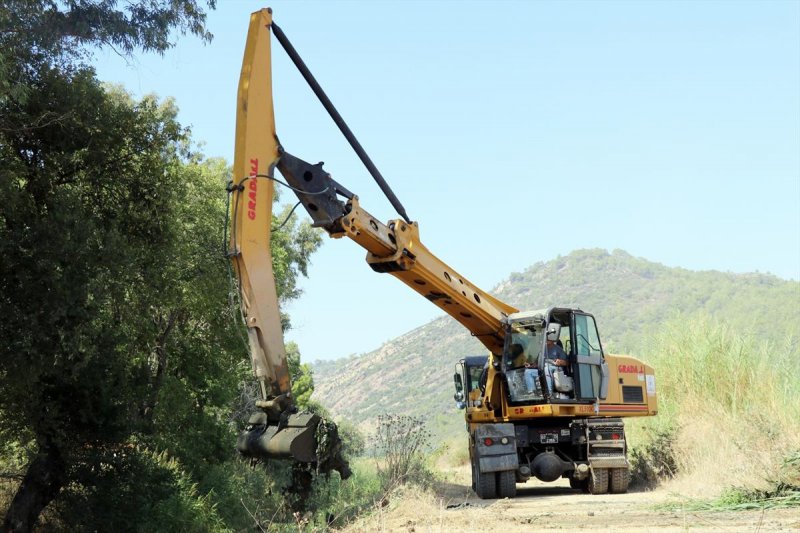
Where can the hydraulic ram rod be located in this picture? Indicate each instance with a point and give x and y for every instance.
(338, 120)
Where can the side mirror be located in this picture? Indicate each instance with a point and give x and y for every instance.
(458, 382)
(459, 395)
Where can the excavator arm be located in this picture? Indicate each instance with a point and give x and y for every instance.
(395, 248)
(256, 154)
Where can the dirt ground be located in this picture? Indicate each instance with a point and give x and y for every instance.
(555, 506)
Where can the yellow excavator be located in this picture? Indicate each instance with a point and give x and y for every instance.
(548, 401)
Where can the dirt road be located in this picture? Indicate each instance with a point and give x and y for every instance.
(554, 506)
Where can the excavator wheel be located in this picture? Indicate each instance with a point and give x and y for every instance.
(474, 476)
(485, 484)
(619, 480)
(506, 484)
(598, 481)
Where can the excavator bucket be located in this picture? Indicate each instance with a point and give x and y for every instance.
(292, 439)
(300, 437)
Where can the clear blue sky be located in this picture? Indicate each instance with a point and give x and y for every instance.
(517, 131)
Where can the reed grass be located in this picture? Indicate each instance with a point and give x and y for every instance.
(729, 409)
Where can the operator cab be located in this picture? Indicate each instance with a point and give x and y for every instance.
(554, 355)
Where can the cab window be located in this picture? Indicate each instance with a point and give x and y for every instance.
(474, 377)
(589, 354)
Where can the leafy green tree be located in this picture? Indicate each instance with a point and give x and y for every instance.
(111, 273)
(302, 377)
(119, 357)
(89, 228)
(49, 31)
(353, 440)
(137, 349)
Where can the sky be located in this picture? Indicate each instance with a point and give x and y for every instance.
(515, 132)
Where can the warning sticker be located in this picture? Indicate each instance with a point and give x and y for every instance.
(651, 385)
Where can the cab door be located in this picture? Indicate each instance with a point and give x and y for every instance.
(591, 375)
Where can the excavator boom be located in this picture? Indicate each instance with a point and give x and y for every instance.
(256, 154)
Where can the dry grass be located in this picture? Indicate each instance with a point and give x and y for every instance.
(716, 450)
(730, 404)
(452, 453)
(411, 508)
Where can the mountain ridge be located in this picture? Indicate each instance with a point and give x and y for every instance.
(629, 296)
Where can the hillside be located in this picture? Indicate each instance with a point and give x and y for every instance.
(630, 297)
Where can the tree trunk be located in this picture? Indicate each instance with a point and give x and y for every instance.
(44, 479)
(151, 402)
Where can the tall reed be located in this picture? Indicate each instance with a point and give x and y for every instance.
(729, 405)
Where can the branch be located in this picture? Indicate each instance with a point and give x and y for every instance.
(255, 520)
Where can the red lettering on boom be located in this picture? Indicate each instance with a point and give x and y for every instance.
(251, 205)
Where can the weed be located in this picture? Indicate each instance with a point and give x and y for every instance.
(654, 461)
(401, 442)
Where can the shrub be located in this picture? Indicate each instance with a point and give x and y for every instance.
(134, 489)
(400, 441)
(654, 460)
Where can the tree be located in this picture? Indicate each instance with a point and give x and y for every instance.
(85, 199)
(117, 344)
(302, 377)
(49, 31)
(95, 213)
(136, 344)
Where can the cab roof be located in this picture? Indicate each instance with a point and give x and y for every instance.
(544, 313)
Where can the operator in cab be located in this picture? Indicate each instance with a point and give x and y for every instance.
(554, 354)
(520, 359)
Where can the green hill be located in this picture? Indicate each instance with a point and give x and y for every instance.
(630, 297)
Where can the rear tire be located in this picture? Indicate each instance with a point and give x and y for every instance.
(619, 480)
(485, 484)
(506, 484)
(576, 483)
(598, 481)
(474, 476)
